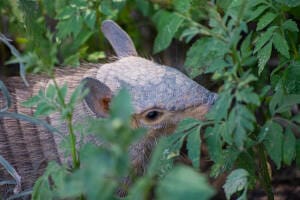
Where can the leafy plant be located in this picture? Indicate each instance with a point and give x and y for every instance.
(251, 50)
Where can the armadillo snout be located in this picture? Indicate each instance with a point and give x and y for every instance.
(212, 98)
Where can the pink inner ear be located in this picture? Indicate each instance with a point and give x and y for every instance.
(105, 104)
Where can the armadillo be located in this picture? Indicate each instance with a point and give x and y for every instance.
(161, 97)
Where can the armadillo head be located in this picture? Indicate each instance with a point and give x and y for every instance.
(161, 96)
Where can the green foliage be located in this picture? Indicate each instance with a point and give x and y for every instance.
(237, 181)
(195, 187)
(251, 49)
(241, 57)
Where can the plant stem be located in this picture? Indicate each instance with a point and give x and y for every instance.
(264, 173)
(69, 120)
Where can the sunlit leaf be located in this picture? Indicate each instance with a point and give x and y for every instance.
(236, 181)
(263, 56)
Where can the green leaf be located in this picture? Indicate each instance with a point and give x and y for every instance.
(291, 81)
(236, 181)
(290, 3)
(203, 53)
(287, 102)
(264, 38)
(140, 189)
(144, 6)
(289, 146)
(182, 5)
(214, 143)
(296, 118)
(272, 136)
(220, 109)
(183, 183)
(290, 25)
(44, 109)
(247, 95)
(71, 25)
(246, 46)
(194, 146)
(121, 105)
(90, 18)
(281, 45)
(34, 100)
(265, 20)
(257, 12)
(242, 121)
(167, 25)
(96, 56)
(158, 162)
(50, 91)
(263, 56)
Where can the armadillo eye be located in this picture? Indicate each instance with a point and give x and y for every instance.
(152, 115)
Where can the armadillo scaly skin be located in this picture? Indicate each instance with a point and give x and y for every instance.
(154, 86)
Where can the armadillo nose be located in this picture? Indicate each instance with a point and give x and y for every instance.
(212, 98)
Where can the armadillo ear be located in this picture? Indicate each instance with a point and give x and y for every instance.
(118, 38)
(98, 98)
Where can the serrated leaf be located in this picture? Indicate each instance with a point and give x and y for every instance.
(236, 181)
(290, 25)
(291, 80)
(272, 136)
(182, 5)
(220, 109)
(264, 38)
(203, 53)
(289, 146)
(281, 45)
(168, 24)
(195, 185)
(247, 95)
(257, 12)
(194, 146)
(265, 20)
(189, 34)
(242, 120)
(263, 56)
(214, 143)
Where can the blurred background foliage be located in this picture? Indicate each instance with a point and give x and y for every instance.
(249, 49)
